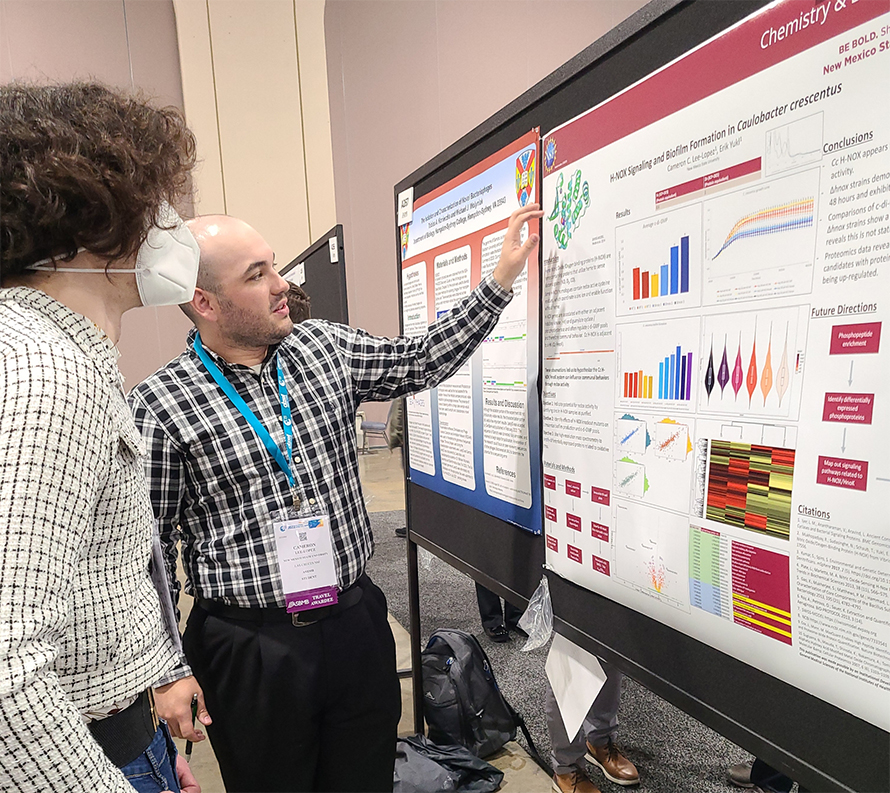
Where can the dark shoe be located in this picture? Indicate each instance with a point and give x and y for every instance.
(740, 775)
(402, 532)
(498, 634)
(614, 765)
(573, 782)
(518, 630)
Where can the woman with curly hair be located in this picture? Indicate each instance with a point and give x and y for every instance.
(86, 233)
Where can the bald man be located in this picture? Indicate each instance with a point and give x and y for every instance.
(253, 465)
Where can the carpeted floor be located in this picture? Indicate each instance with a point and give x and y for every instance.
(673, 751)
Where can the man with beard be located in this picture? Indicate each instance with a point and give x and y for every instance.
(251, 439)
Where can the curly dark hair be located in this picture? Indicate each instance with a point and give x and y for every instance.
(85, 166)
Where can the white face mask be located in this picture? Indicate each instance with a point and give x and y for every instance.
(166, 263)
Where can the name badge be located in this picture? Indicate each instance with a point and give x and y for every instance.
(306, 559)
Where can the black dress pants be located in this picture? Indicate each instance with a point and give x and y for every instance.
(311, 708)
(490, 609)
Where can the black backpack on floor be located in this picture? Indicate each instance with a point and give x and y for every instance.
(461, 700)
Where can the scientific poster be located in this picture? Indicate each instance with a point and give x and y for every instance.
(475, 438)
(716, 393)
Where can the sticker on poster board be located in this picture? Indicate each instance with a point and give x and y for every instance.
(406, 206)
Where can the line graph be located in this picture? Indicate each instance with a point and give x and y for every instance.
(771, 220)
(760, 240)
(793, 145)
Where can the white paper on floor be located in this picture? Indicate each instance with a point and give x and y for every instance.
(576, 678)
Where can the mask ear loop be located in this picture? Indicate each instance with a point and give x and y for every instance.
(38, 265)
(46, 266)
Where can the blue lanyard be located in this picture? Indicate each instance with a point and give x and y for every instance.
(234, 397)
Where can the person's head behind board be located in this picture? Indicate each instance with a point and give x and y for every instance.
(299, 304)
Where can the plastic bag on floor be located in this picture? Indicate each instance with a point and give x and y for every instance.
(425, 767)
(537, 621)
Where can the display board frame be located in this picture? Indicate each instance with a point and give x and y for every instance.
(814, 742)
(325, 279)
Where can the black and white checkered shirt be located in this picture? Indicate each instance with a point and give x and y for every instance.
(80, 621)
(215, 485)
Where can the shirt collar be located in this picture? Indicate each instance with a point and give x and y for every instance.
(85, 334)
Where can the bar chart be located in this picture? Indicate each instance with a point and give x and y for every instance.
(659, 262)
(674, 379)
(658, 363)
(668, 279)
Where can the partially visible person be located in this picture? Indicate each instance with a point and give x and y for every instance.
(497, 623)
(595, 741)
(86, 232)
(395, 439)
(760, 777)
(299, 304)
(395, 427)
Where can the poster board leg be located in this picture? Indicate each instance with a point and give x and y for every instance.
(414, 629)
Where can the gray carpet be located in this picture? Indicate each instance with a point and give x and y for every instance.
(673, 751)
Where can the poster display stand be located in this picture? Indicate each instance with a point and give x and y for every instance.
(715, 249)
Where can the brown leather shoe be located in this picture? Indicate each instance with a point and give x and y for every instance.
(573, 782)
(614, 765)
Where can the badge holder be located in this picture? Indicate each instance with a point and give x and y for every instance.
(305, 551)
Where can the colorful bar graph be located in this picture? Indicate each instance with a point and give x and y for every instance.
(666, 279)
(674, 379)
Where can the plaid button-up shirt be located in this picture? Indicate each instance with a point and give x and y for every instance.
(214, 485)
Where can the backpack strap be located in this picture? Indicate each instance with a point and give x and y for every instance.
(532, 749)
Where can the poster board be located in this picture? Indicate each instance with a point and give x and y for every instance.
(476, 437)
(788, 726)
(727, 243)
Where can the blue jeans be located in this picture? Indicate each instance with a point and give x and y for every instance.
(155, 769)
